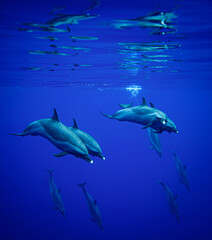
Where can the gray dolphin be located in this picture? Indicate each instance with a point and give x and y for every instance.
(90, 143)
(93, 208)
(173, 208)
(183, 178)
(59, 135)
(154, 140)
(55, 194)
(145, 115)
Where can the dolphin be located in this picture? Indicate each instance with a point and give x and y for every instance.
(173, 208)
(93, 208)
(145, 115)
(183, 178)
(90, 143)
(62, 19)
(59, 135)
(154, 140)
(55, 194)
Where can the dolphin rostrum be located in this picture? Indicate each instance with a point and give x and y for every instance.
(154, 140)
(93, 208)
(145, 115)
(55, 194)
(59, 135)
(173, 208)
(181, 170)
(90, 143)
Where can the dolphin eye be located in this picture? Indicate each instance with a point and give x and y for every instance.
(164, 122)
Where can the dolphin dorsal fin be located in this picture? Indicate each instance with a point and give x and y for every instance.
(151, 104)
(125, 105)
(143, 102)
(55, 116)
(75, 124)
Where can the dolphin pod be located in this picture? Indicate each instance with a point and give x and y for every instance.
(145, 115)
(90, 143)
(173, 208)
(55, 194)
(93, 208)
(181, 170)
(59, 135)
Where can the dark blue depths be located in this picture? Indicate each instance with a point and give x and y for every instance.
(126, 185)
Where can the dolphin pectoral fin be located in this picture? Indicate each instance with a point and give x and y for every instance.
(125, 105)
(61, 154)
(158, 131)
(109, 116)
(148, 125)
(18, 134)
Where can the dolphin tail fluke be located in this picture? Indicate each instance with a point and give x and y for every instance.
(82, 184)
(106, 115)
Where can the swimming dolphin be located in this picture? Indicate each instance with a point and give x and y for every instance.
(154, 140)
(90, 143)
(173, 208)
(55, 194)
(145, 115)
(59, 135)
(183, 178)
(93, 208)
(62, 19)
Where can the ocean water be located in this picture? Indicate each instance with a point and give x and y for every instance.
(120, 52)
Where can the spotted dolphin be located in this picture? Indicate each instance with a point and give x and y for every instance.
(181, 170)
(154, 140)
(59, 135)
(93, 208)
(173, 208)
(145, 115)
(55, 194)
(90, 143)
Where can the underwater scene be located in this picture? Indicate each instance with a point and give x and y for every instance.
(105, 119)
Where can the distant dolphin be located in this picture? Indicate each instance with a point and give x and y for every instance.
(59, 135)
(94, 210)
(90, 143)
(62, 19)
(145, 115)
(173, 208)
(154, 140)
(55, 194)
(181, 171)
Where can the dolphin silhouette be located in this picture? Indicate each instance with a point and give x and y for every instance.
(59, 135)
(173, 208)
(145, 115)
(154, 140)
(93, 208)
(181, 170)
(90, 143)
(55, 194)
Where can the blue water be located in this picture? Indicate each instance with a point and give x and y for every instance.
(170, 67)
